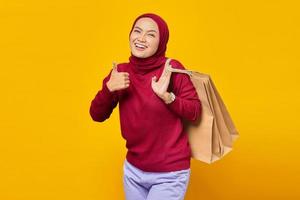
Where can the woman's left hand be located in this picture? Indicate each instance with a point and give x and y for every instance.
(160, 87)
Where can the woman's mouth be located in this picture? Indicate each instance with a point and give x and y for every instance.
(140, 47)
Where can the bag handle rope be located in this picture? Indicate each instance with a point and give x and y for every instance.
(184, 71)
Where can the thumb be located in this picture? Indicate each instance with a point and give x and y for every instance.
(115, 67)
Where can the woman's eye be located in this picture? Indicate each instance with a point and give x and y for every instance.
(136, 31)
(152, 35)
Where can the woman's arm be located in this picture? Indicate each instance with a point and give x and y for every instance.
(187, 103)
(104, 102)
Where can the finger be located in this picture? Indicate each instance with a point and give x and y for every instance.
(126, 85)
(123, 75)
(169, 68)
(166, 73)
(167, 62)
(154, 78)
(115, 67)
(166, 70)
(169, 73)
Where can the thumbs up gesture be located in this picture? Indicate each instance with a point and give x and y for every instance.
(160, 87)
(118, 80)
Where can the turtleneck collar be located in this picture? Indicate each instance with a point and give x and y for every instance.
(145, 65)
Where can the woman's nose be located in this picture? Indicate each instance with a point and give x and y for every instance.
(142, 38)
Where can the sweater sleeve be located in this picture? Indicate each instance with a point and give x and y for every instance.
(187, 104)
(104, 102)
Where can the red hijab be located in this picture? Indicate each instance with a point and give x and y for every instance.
(144, 65)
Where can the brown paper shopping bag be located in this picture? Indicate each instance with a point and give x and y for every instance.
(211, 137)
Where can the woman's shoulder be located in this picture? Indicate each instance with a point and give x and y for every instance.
(176, 64)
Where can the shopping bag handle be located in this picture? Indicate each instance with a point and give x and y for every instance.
(184, 71)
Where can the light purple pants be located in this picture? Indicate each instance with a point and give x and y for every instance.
(141, 185)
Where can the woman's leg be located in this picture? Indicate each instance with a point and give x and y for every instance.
(132, 183)
(170, 186)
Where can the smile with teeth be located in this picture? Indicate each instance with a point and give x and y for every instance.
(140, 46)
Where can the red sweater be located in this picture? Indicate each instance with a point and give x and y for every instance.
(153, 130)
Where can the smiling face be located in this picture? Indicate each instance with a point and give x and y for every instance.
(144, 38)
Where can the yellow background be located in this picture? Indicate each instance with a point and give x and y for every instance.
(55, 54)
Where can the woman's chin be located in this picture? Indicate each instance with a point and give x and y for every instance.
(140, 55)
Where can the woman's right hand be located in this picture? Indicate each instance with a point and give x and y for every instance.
(118, 80)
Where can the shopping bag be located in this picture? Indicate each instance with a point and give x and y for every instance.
(212, 136)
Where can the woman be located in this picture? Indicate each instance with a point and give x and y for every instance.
(152, 104)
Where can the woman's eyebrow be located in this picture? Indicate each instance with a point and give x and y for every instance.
(142, 29)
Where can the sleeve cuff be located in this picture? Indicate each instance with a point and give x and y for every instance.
(174, 104)
(107, 92)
